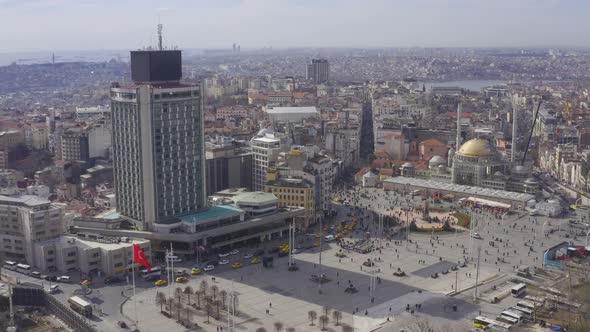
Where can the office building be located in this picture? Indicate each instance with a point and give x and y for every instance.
(158, 145)
(74, 145)
(265, 150)
(292, 191)
(26, 220)
(317, 71)
(227, 166)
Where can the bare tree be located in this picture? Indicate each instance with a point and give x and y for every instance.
(178, 307)
(324, 321)
(223, 297)
(178, 293)
(214, 291)
(278, 326)
(160, 300)
(326, 311)
(337, 315)
(199, 295)
(208, 307)
(312, 315)
(347, 328)
(188, 290)
(204, 287)
(217, 304)
(261, 329)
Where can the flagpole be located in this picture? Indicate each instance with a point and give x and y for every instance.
(134, 298)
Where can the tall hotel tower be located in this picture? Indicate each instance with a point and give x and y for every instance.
(158, 145)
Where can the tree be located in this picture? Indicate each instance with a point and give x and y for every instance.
(189, 313)
(337, 315)
(208, 307)
(347, 328)
(178, 293)
(312, 315)
(223, 298)
(278, 326)
(188, 290)
(324, 321)
(261, 329)
(178, 307)
(160, 300)
(214, 291)
(199, 295)
(326, 311)
(217, 304)
(204, 287)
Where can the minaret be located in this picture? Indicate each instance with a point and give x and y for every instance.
(514, 129)
(458, 139)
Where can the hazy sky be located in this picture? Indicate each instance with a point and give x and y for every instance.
(28, 25)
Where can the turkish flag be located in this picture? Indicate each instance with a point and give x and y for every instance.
(139, 257)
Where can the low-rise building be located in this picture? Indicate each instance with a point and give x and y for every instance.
(89, 254)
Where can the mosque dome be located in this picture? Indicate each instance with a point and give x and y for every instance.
(476, 147)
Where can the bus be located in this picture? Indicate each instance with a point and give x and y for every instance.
(10, 265)
(528, 314)
(154, 274)
(537, 301)
(507, 319)
(23, 268)
(514, 315)
(526, 305)
(80, 306)
(518, 290)
(485, 323)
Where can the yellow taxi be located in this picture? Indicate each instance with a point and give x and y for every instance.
(181, 279)
(316, 244)
(317, 236)
(196, 271)
(338, 236)
(237, 265)
(256, 261)
(161, 282)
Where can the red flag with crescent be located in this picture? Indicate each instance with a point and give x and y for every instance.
(139, 257)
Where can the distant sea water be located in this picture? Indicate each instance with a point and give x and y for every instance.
(472, 85)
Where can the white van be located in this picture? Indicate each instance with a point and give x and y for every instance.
(53, 289)
(329, 238)
(64, 279)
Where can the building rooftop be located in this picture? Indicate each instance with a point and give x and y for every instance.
(26, 200)
(255, 197)
(285, 110)
(471, 190)
(213, 212)
(110, 214)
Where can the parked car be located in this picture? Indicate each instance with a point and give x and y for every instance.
(112, 280)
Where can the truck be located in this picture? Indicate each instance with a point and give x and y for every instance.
(80, 306)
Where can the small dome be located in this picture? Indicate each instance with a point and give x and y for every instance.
(498, 173)
(437, 160)
(408, 165)
(264, 131)
(476, 147)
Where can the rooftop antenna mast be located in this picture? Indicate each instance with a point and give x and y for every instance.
(160, 37)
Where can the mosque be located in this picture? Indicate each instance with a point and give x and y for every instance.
(478, 164)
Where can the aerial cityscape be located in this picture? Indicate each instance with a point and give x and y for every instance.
(249, 185)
